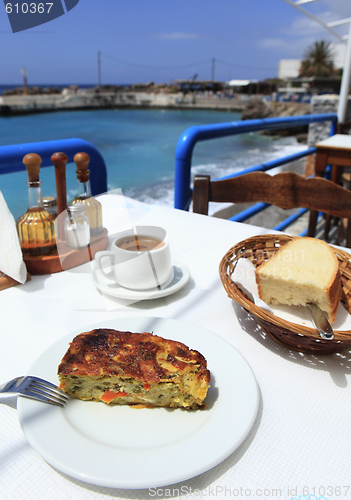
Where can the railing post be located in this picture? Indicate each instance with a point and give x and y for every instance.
(184, 151)
(182, 191)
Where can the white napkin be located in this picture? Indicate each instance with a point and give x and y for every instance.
(11, 259)
(244, 278)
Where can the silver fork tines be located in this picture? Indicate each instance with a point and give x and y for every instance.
(35, 388)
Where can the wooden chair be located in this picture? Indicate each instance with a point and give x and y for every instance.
(344, 128)
(285, 190)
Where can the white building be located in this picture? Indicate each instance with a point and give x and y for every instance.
(339, 53)
(289, 68)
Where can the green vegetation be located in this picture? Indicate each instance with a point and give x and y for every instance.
(318, 61)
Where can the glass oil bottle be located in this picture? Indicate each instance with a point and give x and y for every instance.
(36, 227)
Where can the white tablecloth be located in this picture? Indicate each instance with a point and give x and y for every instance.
(300, 443)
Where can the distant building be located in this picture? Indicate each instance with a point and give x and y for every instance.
(288, 68)
(237, 84)
(315, 85)
(251, 86)
(194, 85)
(339, 53)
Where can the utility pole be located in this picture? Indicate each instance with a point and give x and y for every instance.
(213, 69)
(25, 82)
(99, 68)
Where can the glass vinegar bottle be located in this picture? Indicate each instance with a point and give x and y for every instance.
(36, 227)
(93, 207)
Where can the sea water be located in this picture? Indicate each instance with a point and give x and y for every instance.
(138, 147)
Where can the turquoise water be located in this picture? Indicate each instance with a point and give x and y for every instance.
(138, 147)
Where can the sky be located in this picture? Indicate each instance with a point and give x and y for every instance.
(162, 40)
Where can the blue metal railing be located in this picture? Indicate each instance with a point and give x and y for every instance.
(11, 158)
(193, 135)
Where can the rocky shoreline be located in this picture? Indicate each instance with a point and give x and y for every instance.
(257, 108)
(38, 100)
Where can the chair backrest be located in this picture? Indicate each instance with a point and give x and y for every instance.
(284, 190)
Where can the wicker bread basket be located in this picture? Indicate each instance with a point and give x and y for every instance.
(291, 335)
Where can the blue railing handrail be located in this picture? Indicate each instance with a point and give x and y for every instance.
(195, 134)
(11, 158)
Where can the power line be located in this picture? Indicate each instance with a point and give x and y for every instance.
(185, 66)
(137, 65)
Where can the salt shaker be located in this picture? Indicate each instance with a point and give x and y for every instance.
(76, 227)
(50, 205)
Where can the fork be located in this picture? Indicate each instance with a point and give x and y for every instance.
(35, 388)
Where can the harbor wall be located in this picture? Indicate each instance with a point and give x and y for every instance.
(91, 99)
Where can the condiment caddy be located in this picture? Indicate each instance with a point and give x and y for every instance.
(52, 243)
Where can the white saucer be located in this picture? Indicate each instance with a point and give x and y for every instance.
(105, 285)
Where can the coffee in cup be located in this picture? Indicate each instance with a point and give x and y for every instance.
(140, 259)
(142, 243)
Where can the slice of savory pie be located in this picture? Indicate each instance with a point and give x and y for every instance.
(134, 368)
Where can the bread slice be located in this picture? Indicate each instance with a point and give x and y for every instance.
(304, 270)
(134, 369)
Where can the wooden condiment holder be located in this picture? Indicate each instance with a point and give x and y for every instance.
(65, 258)
(8, 282)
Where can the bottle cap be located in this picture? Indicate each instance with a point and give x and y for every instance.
(76, 208)
(32, 162)
(82, 161)
(49, 202)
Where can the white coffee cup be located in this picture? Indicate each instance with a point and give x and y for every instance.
(139, 258)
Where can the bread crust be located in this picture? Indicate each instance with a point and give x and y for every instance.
(334, 294)
(128, 361)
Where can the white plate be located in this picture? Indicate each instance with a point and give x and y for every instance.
(105, 285)
(124, 447)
